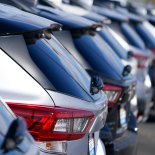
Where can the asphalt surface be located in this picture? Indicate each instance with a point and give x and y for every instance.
(146, 140)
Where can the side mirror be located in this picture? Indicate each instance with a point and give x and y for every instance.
(96, 84)
(15, 135)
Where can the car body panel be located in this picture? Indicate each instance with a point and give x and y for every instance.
(20, 88)
(24, 147)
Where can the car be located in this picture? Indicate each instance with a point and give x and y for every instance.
(125, 51)
(80, 9)
(139, 62)
(14, 138)
(120, 24)
(129, 54)
(98, 61)
(142, 10)
(78, 33)
(145, 30)
(150, 17)
(116, 42)
(63, 106)
(123, 122)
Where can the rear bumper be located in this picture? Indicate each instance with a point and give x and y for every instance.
(81, 147)
(126, 144)
(33, 150)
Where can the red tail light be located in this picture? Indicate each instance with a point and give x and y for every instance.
(113, 93)
(153, 51)
(141, 60)
(54, 123)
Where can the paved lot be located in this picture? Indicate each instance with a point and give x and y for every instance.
(146, 145)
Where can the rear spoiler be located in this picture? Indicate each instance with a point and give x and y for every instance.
(32, 36)
(14, 21)
(91, 30)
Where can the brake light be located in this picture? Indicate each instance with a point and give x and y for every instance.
(153, 51)
(54, 123)
(113, 93)
(141, 60)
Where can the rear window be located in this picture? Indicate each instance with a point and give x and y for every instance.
(47, 62)
(100, 56)
(128, 34)
(131, 35)
(114, 41)
(59, 70)
(147, 33)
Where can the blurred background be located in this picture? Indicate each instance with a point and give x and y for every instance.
(146, 143)
(146, 139)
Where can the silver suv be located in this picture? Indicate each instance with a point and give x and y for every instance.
(41, 82)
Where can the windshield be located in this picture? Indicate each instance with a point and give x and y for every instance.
(100, 56)
(147, 33)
